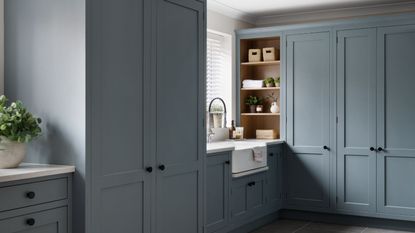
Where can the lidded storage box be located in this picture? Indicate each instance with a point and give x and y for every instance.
(254, 55)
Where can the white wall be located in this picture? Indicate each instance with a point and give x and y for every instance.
(1, 46)
(221, 23)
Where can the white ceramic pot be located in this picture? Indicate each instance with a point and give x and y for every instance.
(11, 153)
(217, 120)
(274, 108)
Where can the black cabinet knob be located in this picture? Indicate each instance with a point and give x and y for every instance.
(271, 154)
(149, 169)
(372, 149)
(30, 222)
(162, 167)
(251, 183)
(228, 162)
(326, 147)
(30, 195)
(380, 149)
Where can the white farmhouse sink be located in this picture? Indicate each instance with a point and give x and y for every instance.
(243, 162)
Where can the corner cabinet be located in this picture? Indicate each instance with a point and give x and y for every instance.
(307, 161)
(146, 154)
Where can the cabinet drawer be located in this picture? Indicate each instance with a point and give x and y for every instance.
(19, 196)
(50, 221)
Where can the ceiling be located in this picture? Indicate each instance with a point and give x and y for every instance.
(251, 10)
(271, 7)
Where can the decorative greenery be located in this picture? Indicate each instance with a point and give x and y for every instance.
(273, 97)
(269, 81)
(16, 123)
(253, 100)
(277, 79)
(216, 108)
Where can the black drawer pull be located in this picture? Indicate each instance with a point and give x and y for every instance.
(380, 149)
(31, 195)
(271, 154)
(326, 148)
(228, 162)
(372, 149)
(149, 169)
(251, 183)
(162, 167)
(30, 222)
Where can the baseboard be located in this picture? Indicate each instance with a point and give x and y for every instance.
(347, 220)
(256, 224)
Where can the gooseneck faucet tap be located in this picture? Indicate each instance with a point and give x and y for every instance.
(224, 108)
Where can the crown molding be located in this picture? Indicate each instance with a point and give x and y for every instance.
(333, 14)
(230, 12)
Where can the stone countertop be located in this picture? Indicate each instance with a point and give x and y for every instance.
(230, 145)
(30, 170)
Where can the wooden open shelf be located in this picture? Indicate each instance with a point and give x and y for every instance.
(259, 71)
(260, 89)
(260, 114)
(261, 63)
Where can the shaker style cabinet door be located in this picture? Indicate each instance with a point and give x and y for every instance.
(308, 124)
(356, 128)
(118, 42)
(396, 114)
(274, 176)
(217, 192)
(179, 103)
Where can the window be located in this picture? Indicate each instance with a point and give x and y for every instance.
(219, 69)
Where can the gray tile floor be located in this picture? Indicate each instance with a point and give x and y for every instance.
(291, 226)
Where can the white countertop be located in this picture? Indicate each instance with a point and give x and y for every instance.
(30, 170)
(230, 145)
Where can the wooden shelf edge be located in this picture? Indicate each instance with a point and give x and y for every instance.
(260, 114)
(261, 63)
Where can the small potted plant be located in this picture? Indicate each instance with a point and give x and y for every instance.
(274, 106)
(217, 113)
(17, 128)
(269, 82)
(252, 102)
(277, 82)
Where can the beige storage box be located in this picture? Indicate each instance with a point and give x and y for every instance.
(254, 55)
(266, 134)
(270, 54)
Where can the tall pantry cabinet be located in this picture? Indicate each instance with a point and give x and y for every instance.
(145, 114)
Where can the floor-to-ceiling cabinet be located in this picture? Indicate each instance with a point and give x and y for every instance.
(307, 161)
(145, 110)
(356, 120)
(395, 120)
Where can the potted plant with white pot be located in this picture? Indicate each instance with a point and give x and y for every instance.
(17, 128)
(274, 105)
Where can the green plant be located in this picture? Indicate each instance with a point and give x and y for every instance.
(277, 79)
(269, 80)
(253, 100)
(16, 123)
(273, 97)
(216, 108)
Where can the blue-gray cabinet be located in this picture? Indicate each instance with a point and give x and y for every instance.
(274, 177)
(247, 197)
(356, 116)
(395, 120)
(218, 177)
(307, 162)
(146, 154)
(37, 205)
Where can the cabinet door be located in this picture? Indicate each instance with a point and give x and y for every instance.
(308, 120)
(180, 146)
(274, 176)
(51, 221)
(356, 111)
(396, 114)
(217, 192)
(118, 70)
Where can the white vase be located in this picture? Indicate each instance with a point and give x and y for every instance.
(11, 153)
(274, 108)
